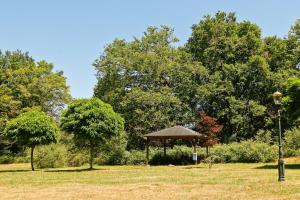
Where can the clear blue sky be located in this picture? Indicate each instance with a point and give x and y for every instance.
(71, 34)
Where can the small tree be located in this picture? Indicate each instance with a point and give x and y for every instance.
(208, 128)
(31, 129)
(92, 122)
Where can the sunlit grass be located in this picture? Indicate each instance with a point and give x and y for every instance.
(222, 181)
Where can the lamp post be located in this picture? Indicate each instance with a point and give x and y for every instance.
(277, 96)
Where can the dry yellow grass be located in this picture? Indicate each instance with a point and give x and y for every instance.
(223, 181)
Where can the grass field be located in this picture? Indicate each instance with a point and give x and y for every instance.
(222, 181)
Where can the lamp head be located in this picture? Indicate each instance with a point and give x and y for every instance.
(277, 96)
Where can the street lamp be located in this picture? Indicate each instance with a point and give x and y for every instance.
(277, 96)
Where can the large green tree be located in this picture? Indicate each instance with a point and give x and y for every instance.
(25, 83)
(244, 70)
(92, 123)
(149, 81)
(32, 128)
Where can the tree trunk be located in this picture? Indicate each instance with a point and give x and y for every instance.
(207, 151)
(31, 158)
(91, 157)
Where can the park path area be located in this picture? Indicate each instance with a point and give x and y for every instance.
(222, 181)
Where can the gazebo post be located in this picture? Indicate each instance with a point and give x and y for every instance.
(195, 150)
(165, 149)
(147, 151)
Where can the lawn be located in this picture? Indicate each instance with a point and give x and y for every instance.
(222, 181)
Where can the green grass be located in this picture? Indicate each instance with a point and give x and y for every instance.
(222, 181)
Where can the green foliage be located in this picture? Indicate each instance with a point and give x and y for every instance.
(7, 158)
(77, 158)
(92, 123)
(291, 144)
(148, 112)
(51, 156)
(220, 39)
(32, 128)
(114, 151)
(25, 83)
(244, 70)
(245, 151)
(264, 136)
(178, 155)
(292, 100)
(226, 69)
(135, 157)
(149, 81)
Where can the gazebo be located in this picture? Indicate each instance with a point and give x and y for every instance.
(176, 132)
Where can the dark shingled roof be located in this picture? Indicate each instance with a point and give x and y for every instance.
(174, 132)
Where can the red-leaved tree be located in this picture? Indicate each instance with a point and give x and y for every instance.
(209, 128)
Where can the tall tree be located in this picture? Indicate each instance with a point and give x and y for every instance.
(244, 70)
(32, 128)
(92, 123)
(25, 83)
(149, 81)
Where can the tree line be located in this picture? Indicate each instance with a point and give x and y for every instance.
(226, 70)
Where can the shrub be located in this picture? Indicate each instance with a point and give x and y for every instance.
(292, 142)
(6, 159)
(135, 157)
(113, 152)
(50, 156)
(76, 158)
(178, 155)
(22, 159)
(245, 151)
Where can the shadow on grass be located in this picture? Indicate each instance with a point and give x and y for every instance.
(17, 170)
(72, 170)
(193, 167)
(287, 166)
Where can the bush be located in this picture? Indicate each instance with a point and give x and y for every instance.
(113, 152)
(135, 157)
(76, 158)
(292, 142)
(6, 159)
(245, 151)
(50, 156)
(178, 155)
(22, 159)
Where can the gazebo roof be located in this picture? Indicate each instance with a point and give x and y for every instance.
(178, 132)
